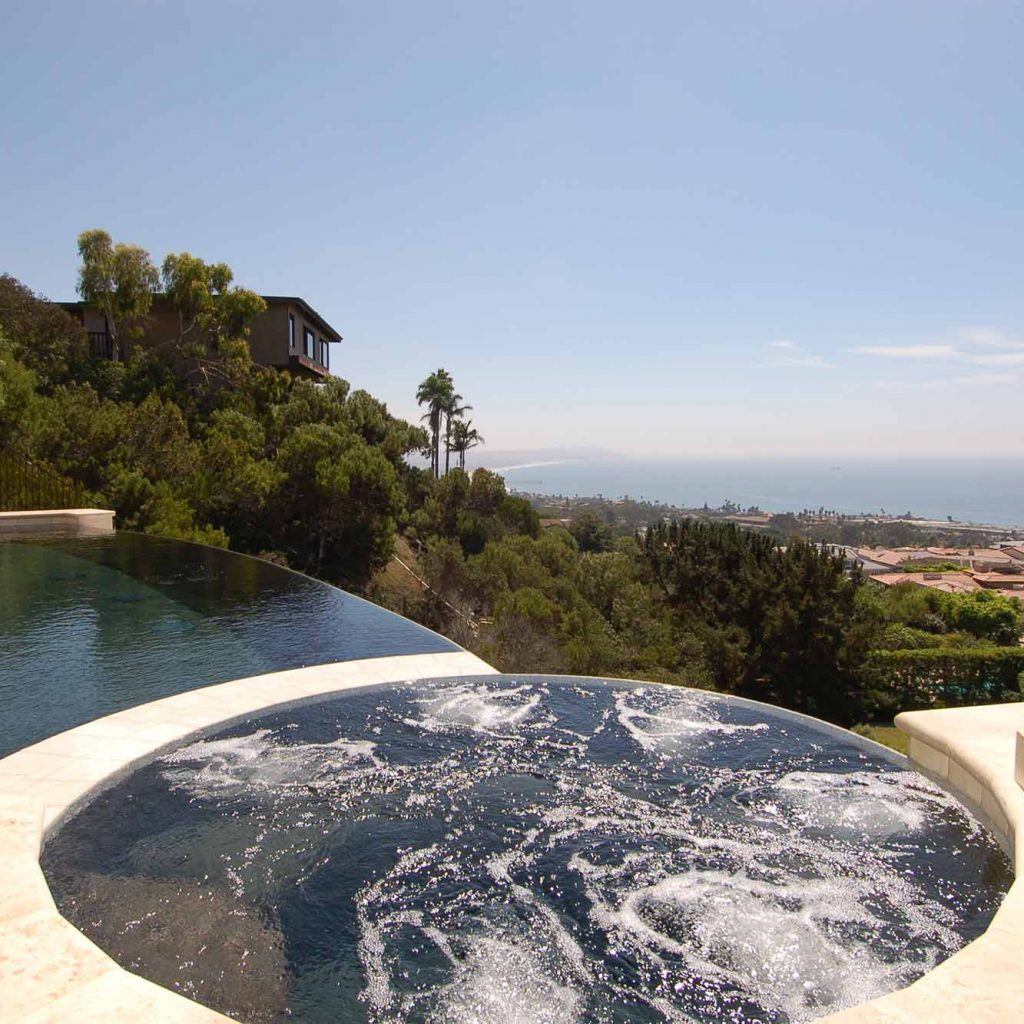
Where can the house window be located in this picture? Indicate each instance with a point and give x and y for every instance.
(323, 354)
(291, 331)
(309, 342)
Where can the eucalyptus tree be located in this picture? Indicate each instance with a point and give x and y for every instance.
(119, 280)
(213, 315)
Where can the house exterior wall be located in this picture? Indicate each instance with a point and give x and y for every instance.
(269, 340)
(268, 335)
(161, 330)
(93, 320)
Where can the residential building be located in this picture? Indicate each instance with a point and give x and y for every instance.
(975, 559)
(1000, 580)
(1008, 583)
(290, 335)
(979, 559)
(947, 582)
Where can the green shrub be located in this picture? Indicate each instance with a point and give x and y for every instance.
(943, 677)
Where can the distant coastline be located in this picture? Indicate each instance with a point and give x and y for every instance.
(975, 492)
(528, 465)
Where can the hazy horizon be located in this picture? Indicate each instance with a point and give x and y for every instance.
(720, 231)
(485, 456)
(978, 490)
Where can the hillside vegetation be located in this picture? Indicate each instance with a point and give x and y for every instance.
(317, 476)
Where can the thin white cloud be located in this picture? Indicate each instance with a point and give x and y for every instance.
(937, 384)
(907, 351)
(807, 362)
(989, 337)
(999, 359)
(970, 347)
(789, 353)
(901, 386)
(993, 379)
(988, 380)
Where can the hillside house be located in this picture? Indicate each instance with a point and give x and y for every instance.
(290, 335)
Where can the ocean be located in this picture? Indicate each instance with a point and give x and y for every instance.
(969, 490)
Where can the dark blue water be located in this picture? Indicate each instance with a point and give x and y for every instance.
(976, 490)
(528, 850)
(89, 627)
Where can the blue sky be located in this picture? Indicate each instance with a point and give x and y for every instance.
(658, 228)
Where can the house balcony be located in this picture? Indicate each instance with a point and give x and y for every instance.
(305, 366)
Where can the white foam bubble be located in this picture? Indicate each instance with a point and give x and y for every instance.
(666, 725)
(781, 941)
(480, 708)
(876, 804)
(504, 982)
(502, 864)
(258, 761)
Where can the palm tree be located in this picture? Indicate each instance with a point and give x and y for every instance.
(435, 393)
(463, 437)
(453, 413)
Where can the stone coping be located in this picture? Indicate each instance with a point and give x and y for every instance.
(51, 974)
(57, 522)
(49, 971)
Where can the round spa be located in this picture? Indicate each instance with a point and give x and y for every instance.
(527, 849)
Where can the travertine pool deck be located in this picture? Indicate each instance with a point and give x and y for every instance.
(49, 971)
(57, 522)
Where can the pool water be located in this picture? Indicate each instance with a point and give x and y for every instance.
(92, 626)
(527, 849)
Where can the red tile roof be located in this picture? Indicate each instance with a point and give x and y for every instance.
(948, 582)
(996, 578)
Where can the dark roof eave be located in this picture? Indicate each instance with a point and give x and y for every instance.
(310, 312)
(306, 308)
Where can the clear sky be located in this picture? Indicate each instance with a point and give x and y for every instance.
(672, 228)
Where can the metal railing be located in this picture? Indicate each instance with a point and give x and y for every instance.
(27, 486)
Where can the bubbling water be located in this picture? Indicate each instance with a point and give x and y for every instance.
(669, 726)
(256, 762)
(478, 708)
(542, 850)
